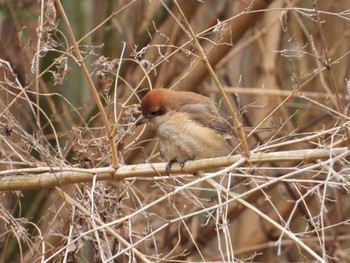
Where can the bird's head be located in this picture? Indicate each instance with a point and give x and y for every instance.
(155, 103)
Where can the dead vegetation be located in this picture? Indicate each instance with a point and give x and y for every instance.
(81, 184)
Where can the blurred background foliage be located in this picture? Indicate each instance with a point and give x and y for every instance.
(263, 51)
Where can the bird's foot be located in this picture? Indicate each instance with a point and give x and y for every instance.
(168, 166)
(182, 165)
(172, 161)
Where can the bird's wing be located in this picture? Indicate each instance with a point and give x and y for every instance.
(206, 115)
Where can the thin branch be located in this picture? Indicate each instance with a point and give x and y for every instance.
(99, 222)
(237, 123)
(47, 177)
(109, 130)
(284, 230)
(329, 68)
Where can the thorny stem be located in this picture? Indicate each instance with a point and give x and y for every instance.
(237, 123)
(115, 162)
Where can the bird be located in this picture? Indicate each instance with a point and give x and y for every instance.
(187, 124)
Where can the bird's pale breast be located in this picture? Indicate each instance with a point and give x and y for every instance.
(184, 139)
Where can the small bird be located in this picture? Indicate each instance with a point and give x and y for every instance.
(187, 124)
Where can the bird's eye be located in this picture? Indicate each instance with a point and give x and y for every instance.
(155, 113)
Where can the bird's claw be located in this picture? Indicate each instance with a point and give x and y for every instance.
(182, 165)
(168, 166)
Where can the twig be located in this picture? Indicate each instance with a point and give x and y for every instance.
(56, 176)
(99, 222)
(326, 63)
(237, 123)
(116, 85)
(284, 230)
(110, 136)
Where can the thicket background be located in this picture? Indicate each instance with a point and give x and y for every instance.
(72, 74)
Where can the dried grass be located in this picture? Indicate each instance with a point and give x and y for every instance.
(81, 183)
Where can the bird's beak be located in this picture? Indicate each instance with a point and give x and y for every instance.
(141, 120)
